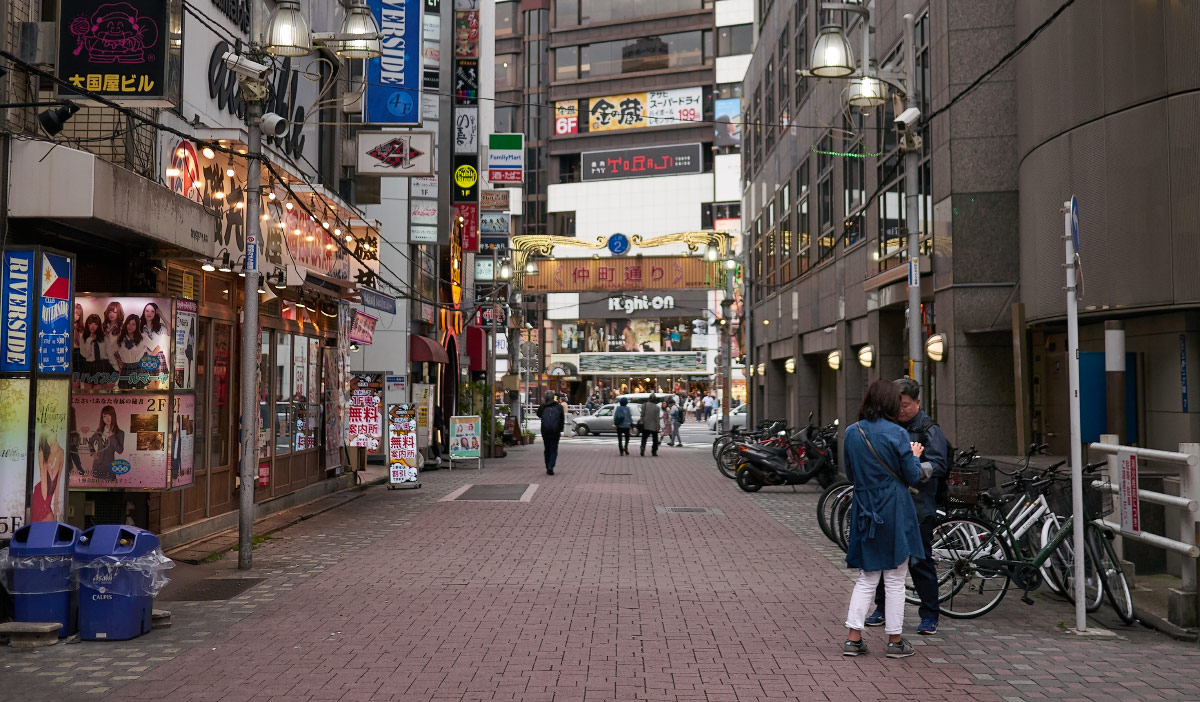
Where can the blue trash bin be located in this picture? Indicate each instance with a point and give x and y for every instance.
(42, 587)
(116, 584)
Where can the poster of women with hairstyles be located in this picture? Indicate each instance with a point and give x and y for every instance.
(120, 441)
(124, 344)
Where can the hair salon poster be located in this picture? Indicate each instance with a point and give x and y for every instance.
(122, 343)
(120, 442)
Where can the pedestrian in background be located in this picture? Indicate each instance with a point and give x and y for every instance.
(708, 406)
(651, 423)
(554, 420)
(668, 424)
(623, 422)
(882, 464)
(677, 419)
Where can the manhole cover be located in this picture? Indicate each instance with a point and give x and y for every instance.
(616, 474)
(687, 510)
(493, 493)
(210, 590)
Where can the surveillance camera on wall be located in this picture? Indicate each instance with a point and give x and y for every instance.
(274, 125)
(908, 118)
(244, 67)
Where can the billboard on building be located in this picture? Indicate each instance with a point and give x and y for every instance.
(727, 115)
(120, 441)
(654, 108)
(641, 162)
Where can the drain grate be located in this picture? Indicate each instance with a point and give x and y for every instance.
(212, 590)
(616, 474)
(687, 510)
(494, 493)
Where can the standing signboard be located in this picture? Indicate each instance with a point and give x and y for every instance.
(394, 79)
(423, 399)
(464, 438)
(403, 455)
(364, 422)
(1131, 521)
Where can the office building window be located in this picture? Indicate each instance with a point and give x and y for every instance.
(652, 53)
(507, 119)
(566, 63)
(506, 18)
(735, 40)
(506, 72)
(573, 12)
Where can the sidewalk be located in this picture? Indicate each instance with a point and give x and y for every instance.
(592, 590)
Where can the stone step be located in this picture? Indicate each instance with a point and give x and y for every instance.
(31, 634)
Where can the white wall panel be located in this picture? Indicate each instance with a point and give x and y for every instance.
(646, 206)
(729, 12)
(732, 69)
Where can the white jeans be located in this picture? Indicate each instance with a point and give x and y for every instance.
(862, 601)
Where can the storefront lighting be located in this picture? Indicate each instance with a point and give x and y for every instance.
(832, 56)
(172, 172)
(219, 195)
(224, 267)
(935, 347)
(750, 371)
(261, 290)
(270, 196)
(208, 267)
(353, 348)
(300, 304)
(349, 238)
(360, 24)
(266, 216)
(289, 205)
(325, 224)
(766, 322)
(242, 274)
(230, 172)
(338, 232)
(762, 369)
(239, 205)
(834, 359)
(53, 120)
(287, 31)
(208, 152)
(310, 237)
(790, 365)
(866, 356)
(329, 247)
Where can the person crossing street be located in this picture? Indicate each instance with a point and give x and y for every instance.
(651, 423)
(623, 422)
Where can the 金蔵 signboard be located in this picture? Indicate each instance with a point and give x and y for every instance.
(655, 108)
(394, 79)
(640, 162)
(123, 51)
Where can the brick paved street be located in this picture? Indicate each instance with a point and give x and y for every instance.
(585, 592)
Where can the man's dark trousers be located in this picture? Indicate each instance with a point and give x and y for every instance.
(622, 439)
(654, 446)
(551, 439)
(924, 575)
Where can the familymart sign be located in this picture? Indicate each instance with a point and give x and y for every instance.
(506, 158)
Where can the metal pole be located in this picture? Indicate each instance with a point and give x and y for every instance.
(250, 342)
(727, 353)
(1076, 432)
(912, 165)
(491, 384)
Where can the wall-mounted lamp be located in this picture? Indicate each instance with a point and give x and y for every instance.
(762, 369)
(935, 347)
(790, 365)
(834, 359)
(866, 356)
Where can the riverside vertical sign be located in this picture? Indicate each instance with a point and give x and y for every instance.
(394, 79)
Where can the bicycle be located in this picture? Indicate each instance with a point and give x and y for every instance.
(978, 561)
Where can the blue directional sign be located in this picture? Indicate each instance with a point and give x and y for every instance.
(1075, 222)
(618, 244)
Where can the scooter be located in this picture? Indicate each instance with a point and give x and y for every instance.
(809, 453)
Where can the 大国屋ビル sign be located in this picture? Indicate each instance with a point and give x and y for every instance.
(120, 50)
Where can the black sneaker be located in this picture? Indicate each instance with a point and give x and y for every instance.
(900, 649)
(549, 471)
(854, 648)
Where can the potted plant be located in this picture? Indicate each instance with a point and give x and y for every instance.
(528, 437)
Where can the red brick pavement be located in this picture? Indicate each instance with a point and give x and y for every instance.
(588, 593)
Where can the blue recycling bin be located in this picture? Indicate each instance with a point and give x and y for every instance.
(42, 588)
(115, 582)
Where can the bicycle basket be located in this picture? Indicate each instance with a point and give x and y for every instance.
(963, 485)
(1098, 500)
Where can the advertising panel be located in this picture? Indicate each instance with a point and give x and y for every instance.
(424, 187)
(423, 397)
(14, 457)
(185, 344)
(728, 118)
(466, 81)
(362, 327)
(124, 50)
(466, 130)
(50, 442)
(506, 158)
(466, 178)
(464, 437)
(469, 226)
(395, 153)
(17, 300)
(54, 315)
(364, 422)
(466, 35)
(394, 80)
(640, 162)
(495, 223)
(183, 441)
(566, 117)
(494, 199)
(121, 442)
(423, 212)
(124, 344)
(655, 108)
(402, 443)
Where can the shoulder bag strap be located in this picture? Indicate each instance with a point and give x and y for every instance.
(881, 461)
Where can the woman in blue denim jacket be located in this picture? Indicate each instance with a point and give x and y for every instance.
(884, 531)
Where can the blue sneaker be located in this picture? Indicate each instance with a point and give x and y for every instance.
(928, 627)
(876, 618)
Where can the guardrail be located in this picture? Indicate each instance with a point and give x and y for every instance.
(1186, 462)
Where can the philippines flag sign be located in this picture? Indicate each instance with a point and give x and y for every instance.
(56, 277)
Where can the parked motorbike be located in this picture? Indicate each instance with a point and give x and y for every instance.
(810, 453)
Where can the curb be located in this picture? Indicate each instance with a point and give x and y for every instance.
(1157, 623)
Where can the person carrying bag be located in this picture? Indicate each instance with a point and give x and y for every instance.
(882, 464)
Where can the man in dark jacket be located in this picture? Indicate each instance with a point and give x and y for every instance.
(651, 423)
(554, 420)
(623, 422)
(935, 465)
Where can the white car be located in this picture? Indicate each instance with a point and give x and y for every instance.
(602, 421)
(737, 418)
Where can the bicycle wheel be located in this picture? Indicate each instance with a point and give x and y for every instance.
(827, 504)
(845, 511)
(1054, 567)
(965, 588)
(727, 461)
(720, 443)
(1116, 587)
(1063, 562)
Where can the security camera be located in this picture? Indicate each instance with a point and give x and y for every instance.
(908, 118)
(245, 67)
(274, 125)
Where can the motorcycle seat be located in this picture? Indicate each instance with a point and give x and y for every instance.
(771, 450)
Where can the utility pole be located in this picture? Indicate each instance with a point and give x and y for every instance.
(912, 165)
(491, 371)
(727, 353)
(1070, 231)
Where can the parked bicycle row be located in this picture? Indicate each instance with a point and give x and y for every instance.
(971, 531)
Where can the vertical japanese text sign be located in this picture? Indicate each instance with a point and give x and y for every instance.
(394, 79)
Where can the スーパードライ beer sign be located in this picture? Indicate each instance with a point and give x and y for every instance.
(124, 51)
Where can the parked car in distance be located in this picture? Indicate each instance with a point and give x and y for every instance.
(737, 418)
(602, 421)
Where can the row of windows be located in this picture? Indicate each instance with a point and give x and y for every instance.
(769, 112)
(568, 13)
(652, 53)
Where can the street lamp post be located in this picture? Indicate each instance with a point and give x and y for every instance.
(833, 58)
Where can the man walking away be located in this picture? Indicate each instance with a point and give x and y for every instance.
(651, 417)
(678, 416)
(553, 422)
(623, 422)
(934, 468)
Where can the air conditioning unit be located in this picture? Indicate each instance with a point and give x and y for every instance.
(38, 43)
